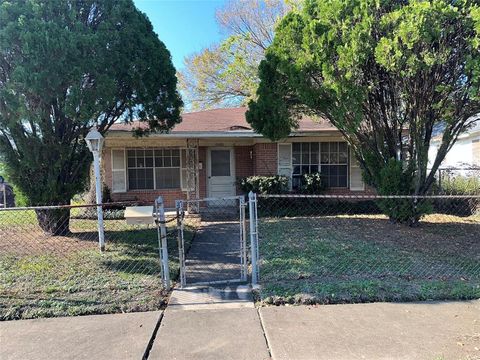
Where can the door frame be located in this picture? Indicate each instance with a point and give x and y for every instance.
(209, 162)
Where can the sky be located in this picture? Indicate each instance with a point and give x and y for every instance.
(184, 26)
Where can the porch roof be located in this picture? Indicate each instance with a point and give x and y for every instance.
(229, 122)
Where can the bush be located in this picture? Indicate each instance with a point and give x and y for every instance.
(264, 184)
(312, 184)
(460, 185)
(395, 180)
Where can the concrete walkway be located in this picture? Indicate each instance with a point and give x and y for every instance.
(223, 334)
(431, 331)
(101, 337)
(441, 330)
(215, 253)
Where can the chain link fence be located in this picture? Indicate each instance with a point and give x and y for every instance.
(458, 181)
(218, 254)
(312, 249)
(336, 249)
(43, 275)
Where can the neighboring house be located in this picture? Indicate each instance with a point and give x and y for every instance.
(7, 196)
(209, 151)
(465, 153)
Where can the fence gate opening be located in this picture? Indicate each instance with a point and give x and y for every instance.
(217, 252)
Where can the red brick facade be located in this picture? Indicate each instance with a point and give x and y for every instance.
(265, 159)
(259, 159)
(243, 161)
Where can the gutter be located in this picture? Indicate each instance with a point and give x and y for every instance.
(217, 134)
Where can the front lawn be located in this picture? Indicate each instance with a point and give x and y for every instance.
(364, 258)
(42, 276)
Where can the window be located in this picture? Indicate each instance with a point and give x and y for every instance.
(304, 161)
(140, 169)
(334, 163)
(153, 169)
(220, 162)
(328, 158)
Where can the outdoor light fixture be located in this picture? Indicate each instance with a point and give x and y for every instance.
(95, 143)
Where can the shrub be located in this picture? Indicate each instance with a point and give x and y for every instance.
(264, 184)
(395, 180)
(312, 184)
(460, 185)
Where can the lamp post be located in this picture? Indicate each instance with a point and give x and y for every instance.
(95, 143)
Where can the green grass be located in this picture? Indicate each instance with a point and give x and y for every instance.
(348, 259)
(63, 276)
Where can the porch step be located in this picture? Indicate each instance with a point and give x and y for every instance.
(207, 297)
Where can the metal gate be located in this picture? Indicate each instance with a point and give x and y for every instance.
(212, 241)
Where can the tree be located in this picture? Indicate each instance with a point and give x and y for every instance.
(386, 73)
(225, 74)
(65, 67)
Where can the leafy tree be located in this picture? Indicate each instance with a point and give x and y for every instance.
(65, 67)
(387, 73)
(225, 74)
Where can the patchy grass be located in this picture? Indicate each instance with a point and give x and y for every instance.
(42, 276)
(339, 259)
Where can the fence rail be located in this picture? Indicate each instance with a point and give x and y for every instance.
(344, 248)
(311, 248)
(46, 274)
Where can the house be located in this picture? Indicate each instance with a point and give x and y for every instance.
(209, 151)
(464, 154)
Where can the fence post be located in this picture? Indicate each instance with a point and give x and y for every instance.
(243, 239)
(252, 207)
(162, 241)
(98, 196)
(181, 252)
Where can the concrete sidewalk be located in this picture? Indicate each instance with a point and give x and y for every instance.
(100, 337)
(440, 330)
(223, 334)
(437, 330)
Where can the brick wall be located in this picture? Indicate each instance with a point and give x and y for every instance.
(243, 162)
(244, 165)
(265, 159)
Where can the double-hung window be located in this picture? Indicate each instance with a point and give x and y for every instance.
(330, 159)
(150, 169)
(304, 161)
(334, 163)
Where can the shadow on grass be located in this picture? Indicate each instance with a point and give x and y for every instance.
(358, 259)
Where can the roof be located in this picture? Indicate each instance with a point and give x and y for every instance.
(223, 121)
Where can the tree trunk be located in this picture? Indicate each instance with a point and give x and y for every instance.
(54, 222)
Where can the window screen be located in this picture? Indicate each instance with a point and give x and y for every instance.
(150, 169)
(330, 159)
(220, 162)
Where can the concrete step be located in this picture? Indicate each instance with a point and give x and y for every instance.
(208, 297)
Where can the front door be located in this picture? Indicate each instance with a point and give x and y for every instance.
(221, 172)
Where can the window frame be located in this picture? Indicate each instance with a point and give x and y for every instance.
(319, 163)
(347, 164)
(153, 167)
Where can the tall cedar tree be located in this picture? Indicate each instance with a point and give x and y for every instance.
(386, 73)
(65, 67)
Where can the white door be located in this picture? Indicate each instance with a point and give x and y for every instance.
(221, 172)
